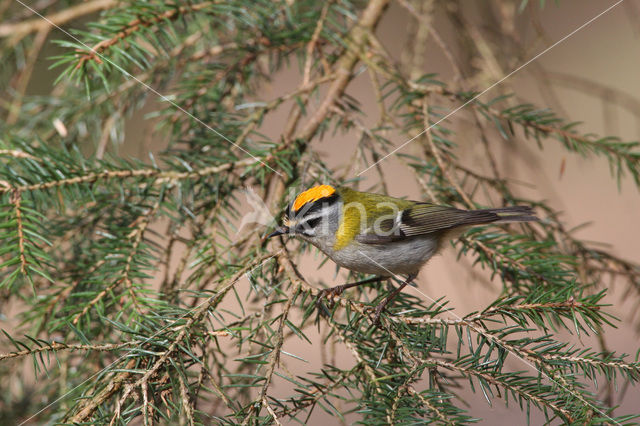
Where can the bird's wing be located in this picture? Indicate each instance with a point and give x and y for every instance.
(423, 219)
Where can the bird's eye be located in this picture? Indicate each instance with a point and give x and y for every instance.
(312, 223)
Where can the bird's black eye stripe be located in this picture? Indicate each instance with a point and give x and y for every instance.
(312, 223)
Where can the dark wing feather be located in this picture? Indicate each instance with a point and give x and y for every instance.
(425, 218)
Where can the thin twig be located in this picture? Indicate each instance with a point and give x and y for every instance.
(16, 200)
(312, 44)
(17, 31)
(59, 346)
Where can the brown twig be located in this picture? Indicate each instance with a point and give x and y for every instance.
(312, 44)
(17, 31)
(16, 153)
(428, 404)
(271, 412)
(186, 403)
(147, 409)
(160, 176)
(537, 360)
(86, 407)
(59, 346)
(16, 199)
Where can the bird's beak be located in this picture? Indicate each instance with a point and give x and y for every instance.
(279, 231)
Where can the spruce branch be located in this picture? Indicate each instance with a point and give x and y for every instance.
(135, 266)
(509, 382)
(179, 331)
(173, 13)
(159, 176)
(59, 346)
(273, 361)
(540, 123)
(137, 237)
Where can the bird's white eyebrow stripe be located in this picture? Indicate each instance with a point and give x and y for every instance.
(302, 217)
(305, 219)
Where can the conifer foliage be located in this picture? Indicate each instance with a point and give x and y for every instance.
(131, 294)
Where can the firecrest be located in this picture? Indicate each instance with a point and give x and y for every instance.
(381, 235)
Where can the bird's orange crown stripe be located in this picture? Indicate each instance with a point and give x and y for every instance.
(313, 194)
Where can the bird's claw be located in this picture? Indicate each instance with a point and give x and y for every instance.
(332, 292)
(377, 312)
(329, 294)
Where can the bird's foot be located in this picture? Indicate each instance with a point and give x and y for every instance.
(377, 312)
(328, 294)
(331, 293)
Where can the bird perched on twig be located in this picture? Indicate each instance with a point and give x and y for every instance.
(381, 235)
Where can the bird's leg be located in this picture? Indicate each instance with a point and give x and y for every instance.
(390, 297)
(337, 290)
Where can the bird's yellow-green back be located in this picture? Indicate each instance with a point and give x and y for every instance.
(361, 210)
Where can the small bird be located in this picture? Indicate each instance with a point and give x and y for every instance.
(381, 235)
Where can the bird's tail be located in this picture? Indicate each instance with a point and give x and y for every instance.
(511, 214)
